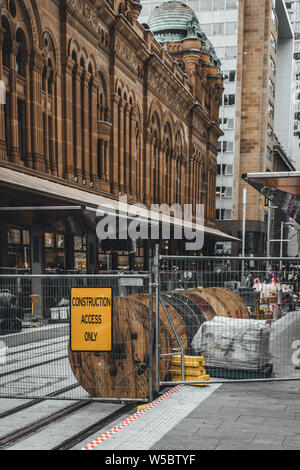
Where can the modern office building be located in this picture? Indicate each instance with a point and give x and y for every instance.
(293, 9)
(254, 41)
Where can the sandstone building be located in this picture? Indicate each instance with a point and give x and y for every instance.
(95, 108)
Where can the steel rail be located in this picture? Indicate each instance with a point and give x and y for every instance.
(36, 401)
(94, 428)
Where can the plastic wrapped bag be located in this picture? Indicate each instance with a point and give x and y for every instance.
(233, 343)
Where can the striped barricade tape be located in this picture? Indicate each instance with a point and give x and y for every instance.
(129, 420)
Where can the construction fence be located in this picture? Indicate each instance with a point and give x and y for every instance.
(191, 319)
(240, 316)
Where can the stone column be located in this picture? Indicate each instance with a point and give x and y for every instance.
(85, 127)
(53, 156)
(134, 166)
(37, 111)
(183, 182)
(93, 135)
(28, 155)
(114, 147)
(189, 181)
(194, 174)
(3, 153)
(68, 119)
(46, 129)
(102, 153)
(69, 169)
(165, 177)
(127, 155)
(146, 178)
(78, 149)
(14, 144)
(161, 173)
(173, 179)
(151, 165)
(121, 146)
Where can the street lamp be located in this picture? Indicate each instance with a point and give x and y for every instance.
(244, 232)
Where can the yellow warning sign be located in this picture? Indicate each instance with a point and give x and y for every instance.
(91, 319)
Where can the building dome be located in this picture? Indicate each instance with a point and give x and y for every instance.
(175, 21)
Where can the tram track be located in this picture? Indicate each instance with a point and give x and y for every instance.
(31, 366)
(34, 348)
(13, 438)
(70, 443)
(36, 401)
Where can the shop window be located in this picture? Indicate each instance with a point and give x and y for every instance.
(104, 260)
(18, 248)
(80, 249)
(55, 259)
(14, 237)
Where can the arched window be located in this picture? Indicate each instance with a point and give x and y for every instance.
(168, 163)
(22, 53)
(50, 100)
(102, 116)
(6, 47)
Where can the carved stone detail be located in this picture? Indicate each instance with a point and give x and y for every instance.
(159, 85)
(128, 57)
(85, 12)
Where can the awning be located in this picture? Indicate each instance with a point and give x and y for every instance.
(288, 181)
(281, 188)
(91, 202)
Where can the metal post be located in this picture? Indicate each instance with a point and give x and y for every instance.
(281, 245)
(150, 337)
(268, 237)
(244, 233)
(157, 322)
(269, 230)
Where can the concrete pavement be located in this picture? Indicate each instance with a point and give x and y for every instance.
(254, 416)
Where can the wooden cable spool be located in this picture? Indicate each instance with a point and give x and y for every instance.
(194, 306)
(124, 372)
(190, 319)
(203, 305)
(176, 319)
(233, 301)
(218, 305)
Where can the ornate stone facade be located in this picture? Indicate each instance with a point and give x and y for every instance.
(94, 102)
(94, 99)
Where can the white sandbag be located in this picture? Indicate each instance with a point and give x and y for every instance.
(233, 343)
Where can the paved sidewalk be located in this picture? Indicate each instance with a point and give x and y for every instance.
(254, 416)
